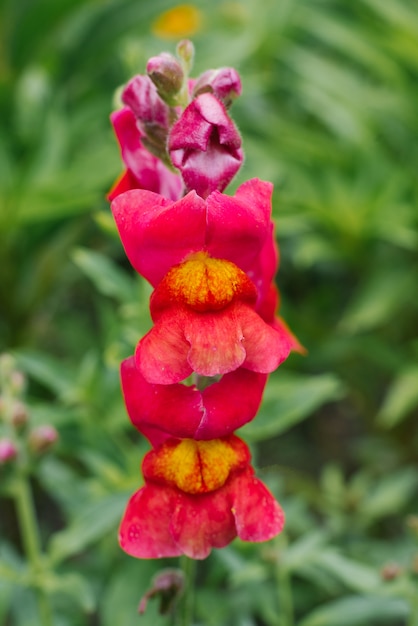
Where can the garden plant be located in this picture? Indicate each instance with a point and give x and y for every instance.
(208, 313)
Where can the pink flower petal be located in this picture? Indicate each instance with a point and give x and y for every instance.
(161, 355)
(258, 517)
(157, 233)
(295, 346)
(223, 414)
(177, 410)
(205, 145)
(125, 182)
(202, 522)
(173, 409)
(183, 341)
(266, 347)
(239, 229)
(215, 342)
(145, 170)
(145, 528)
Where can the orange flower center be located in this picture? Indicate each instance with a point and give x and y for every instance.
(204, 283)
(196, 466)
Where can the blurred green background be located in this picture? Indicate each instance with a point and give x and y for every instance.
(329, 114)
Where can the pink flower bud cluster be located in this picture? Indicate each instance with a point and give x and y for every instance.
(18, 438)
(175, 133)
(200, 372)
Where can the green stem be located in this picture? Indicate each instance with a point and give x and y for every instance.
(31, 542)
(284, 589)
(189, 567)
(413, 618)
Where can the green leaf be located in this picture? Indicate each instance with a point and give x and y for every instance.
(125, 589)
(48, 371)
(401, 398)
(358, 611)
(77, 587)
(104, 274)
(288, 400)
(96, 521)
(305, 549)
(382, 294)
(355, 576)
(391, 494)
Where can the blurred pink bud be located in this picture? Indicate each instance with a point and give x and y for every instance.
(19, 417)
(42, 438)
(224, 83)
(167, 75)
(8, 451)
(205, 146)
(140, 95)
(17, 382)
(167, 585)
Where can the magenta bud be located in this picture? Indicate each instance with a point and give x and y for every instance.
(224, 83)
(8, 451)
(140, 95)
(205, 145)
(42, 438)
(167, 585)
(167, 75)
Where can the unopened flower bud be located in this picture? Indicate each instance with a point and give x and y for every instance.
(17, 383)
(224, 83)
(140, 95)
(167, 585)
(42, 438)
(2, 407)
(167, 75)
(8, 451)
(185, 52)
(390, 571)
(205, 145)
(19, 416)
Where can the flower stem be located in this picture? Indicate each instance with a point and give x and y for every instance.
(31, 542)
(189, 567)
(284, 590)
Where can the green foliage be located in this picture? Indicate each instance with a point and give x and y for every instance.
(328, 114)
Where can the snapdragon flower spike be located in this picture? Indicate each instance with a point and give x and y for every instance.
(205, 322)
(158, 233)
(198, 495)
(143, 169)
(185, 411)
(205, 145)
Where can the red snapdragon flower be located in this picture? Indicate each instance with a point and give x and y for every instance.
(205, 145)
(158, 233)
(205, 322)
(143, 169)
(185, 411)
(197, 252)
(198, 495)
